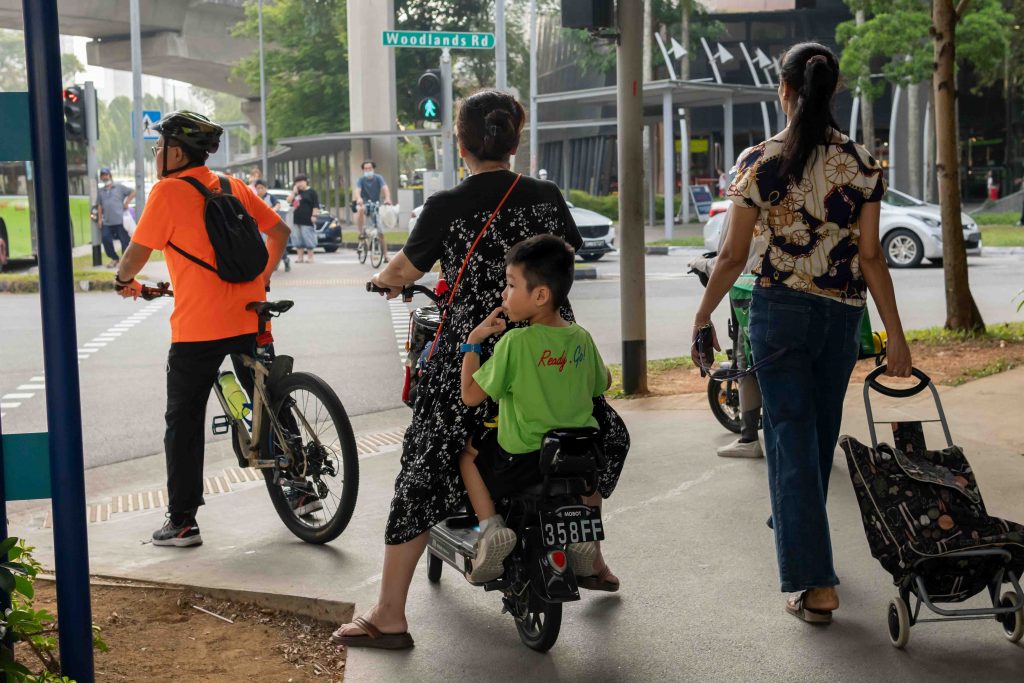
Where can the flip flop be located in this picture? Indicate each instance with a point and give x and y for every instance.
(795, 606)
(602, 581)
(372, 637)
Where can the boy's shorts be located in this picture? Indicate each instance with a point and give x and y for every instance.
(504, 473)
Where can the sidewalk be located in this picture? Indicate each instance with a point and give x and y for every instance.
(686, 532)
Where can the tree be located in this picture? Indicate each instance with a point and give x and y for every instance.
(961, 311)
(306, 60)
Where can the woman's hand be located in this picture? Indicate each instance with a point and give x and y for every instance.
(898, 362)
(703, 358)
(393, 290)
(491, 325)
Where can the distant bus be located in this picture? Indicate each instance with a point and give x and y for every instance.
(18, 236)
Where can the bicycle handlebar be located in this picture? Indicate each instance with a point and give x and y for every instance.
(161, 289)
(407, 292)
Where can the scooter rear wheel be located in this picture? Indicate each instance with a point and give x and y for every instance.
(539, 629)
(724, 399)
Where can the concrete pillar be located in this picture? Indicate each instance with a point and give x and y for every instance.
(668, 161)
(371, 94)
(729, 153)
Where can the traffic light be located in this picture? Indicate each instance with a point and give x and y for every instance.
(74, 113)
(431, 102)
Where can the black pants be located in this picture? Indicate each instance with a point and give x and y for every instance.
(192, 369)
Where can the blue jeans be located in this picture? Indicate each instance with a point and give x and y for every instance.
(803, 392)
(111, 232)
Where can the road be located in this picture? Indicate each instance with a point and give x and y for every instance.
(351, 339)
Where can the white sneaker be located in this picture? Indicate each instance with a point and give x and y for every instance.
(738, 449)
(581, 558)
(493, 546)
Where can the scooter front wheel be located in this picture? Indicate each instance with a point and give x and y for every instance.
(724, 399)
(538, 629)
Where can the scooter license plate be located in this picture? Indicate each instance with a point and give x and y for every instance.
(571, 524)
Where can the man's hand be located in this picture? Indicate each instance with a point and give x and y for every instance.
(491, 325)
(131, 290)
(702, 357)
(898, 362)
(393, 290)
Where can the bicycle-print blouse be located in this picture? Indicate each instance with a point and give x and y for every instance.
(812, 227)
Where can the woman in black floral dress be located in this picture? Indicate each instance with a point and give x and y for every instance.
(428, 488)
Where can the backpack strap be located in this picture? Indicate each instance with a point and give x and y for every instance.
(225, 184)
(207, 194)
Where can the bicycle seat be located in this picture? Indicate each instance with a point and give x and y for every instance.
(269, 309)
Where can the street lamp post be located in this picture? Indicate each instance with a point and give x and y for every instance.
(263, 94)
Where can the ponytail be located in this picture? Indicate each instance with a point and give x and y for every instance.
(812, 70)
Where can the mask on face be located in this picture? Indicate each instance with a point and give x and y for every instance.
(367, 174)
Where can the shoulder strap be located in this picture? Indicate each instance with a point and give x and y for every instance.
(465, 262)
(194, 259)
(198, 185)
(225, 184)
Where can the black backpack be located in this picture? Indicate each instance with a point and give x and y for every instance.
(237, 243)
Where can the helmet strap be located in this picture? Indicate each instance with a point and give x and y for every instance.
(188, 164)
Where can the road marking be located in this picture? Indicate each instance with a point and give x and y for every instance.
(34, 387)
(400, 323)
(14, 396)
(668, 495)
(9, 404)
(97, 344)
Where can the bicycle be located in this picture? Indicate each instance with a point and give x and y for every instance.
(370, 240)
(295, 430)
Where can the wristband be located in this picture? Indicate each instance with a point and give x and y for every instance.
(471, 348)
(121, 282)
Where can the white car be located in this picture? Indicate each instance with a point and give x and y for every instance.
(596, 230)
(910, 230)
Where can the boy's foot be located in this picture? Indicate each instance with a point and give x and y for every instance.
(741, 449)
(180, 534)
(493, 546)
(581, 558)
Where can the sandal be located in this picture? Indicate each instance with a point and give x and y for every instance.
(604, 580)
(795, 606)
(372, 637)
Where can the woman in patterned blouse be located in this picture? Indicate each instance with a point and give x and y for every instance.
(814, 194)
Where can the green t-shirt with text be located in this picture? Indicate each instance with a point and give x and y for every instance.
(543, 378)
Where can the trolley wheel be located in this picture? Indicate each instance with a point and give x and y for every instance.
(434, 566)
(1013, 623)
(899, 623)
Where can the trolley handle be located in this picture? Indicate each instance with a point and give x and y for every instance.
(872, 381)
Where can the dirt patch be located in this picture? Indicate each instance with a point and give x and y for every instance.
(157, 635)
(948, 363)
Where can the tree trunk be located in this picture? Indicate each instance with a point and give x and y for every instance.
(867, 111)
(648, 180)
(961, 311)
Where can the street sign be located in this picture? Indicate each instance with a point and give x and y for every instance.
(149, 117)
(701, 197)
(439, 39)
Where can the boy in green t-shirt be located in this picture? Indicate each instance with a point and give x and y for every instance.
(543, 377)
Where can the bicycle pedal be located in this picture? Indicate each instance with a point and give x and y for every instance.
(221, 425)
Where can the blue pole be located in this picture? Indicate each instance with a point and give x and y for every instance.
(60, 342)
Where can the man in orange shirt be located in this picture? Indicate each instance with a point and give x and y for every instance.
(209, 321)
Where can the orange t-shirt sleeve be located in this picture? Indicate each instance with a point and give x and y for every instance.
(155, 225)
(265, 217)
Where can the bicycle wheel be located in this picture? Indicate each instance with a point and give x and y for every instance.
(376, 251)
(361, 249)
(314, 497)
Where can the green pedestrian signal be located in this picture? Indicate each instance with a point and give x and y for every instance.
(429, 87)
(430, 109)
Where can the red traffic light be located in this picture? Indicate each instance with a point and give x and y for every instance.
(73, 94)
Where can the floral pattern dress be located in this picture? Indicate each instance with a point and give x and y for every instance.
(429, 488)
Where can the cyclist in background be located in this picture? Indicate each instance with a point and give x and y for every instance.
(370, 187)
(210, 320)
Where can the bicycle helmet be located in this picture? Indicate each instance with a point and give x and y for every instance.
(190, 129)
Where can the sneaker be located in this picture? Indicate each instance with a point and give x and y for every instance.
(179, 535)
(739, 449)
(493, 546)
(303, 503)
(581, 558)
(114, 264)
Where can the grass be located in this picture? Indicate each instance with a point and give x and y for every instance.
(392, 236)
(84, 262)
(1002, 235)
(655, 368)
(1003, 218)
(994, 368)
(692, 241)
(1007, 332)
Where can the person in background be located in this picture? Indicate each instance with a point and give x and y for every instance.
(260, 187)
(370, 187)
(542, 174)
(113, 200)
(723, 182)
(307, 205)
(255, 175)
